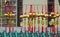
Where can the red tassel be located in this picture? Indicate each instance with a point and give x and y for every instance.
(34, 29)
(9, 6)
(56, 30)
(52, 8)
(12, 29)
(7, 29)
(38, 28)
(29, 28)
(42, 9)
(52, 29)
(46, 29)
(30, 8)
(42, 29)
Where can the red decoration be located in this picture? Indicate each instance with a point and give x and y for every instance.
(38, 28)
(34, 29)
(46, 29)
(7, 29)
(52, 29)
(30, 8)
(53, 9)
(56, 30)
(29, 28)
(42, 9)
(42, 29)
(12, 29)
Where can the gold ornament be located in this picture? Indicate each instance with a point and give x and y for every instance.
(38, 21)
(42, 22)
(56, 22)
(12, 21)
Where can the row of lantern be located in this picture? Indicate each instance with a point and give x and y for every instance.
(39, 21)
(37, 17)
(40, 15)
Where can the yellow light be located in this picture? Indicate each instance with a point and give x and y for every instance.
(39, 22)
(42, 22)
(6, 14)
(12, 21)
(46, 15)
(12, 14)
(30, 13)
(52, 13)
(21, 23)
(38, 15)
(24, 16)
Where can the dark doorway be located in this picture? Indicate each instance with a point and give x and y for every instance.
(50, 4)
(19, 12)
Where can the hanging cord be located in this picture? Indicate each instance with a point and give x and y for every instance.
(46, 18)
(56, 32)
(38, 20)
(34, 20)
(42, 21)
(30, 20)
(25, 20)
